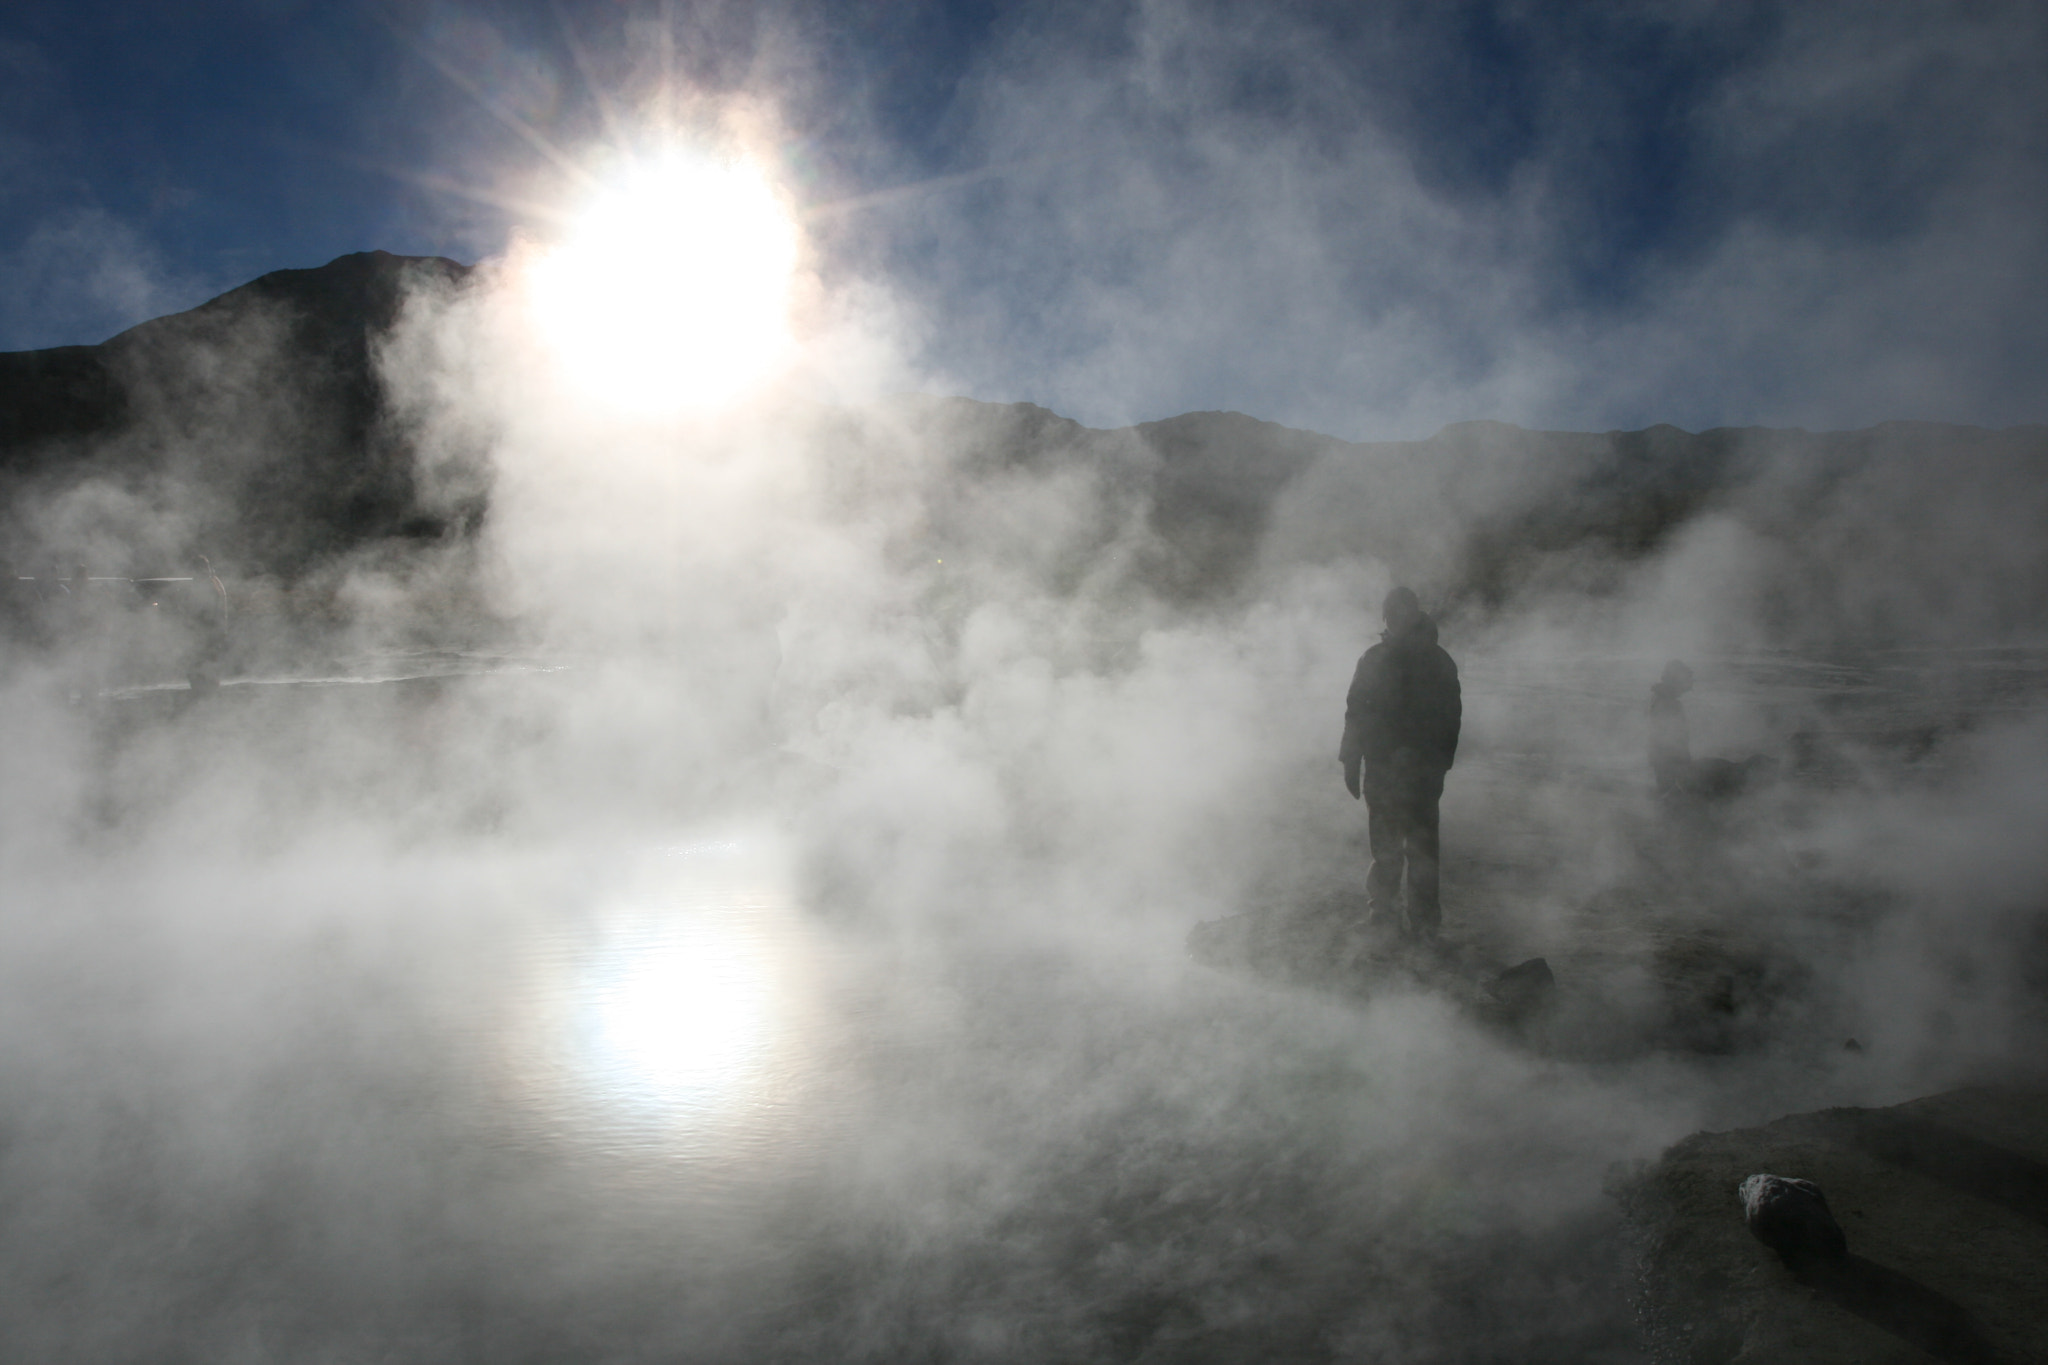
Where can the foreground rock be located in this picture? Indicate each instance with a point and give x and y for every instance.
(1944, 1202)
(1791, 1217)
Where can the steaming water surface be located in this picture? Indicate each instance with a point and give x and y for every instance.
(683, 1013)
(601, 1095)
(997, 1148)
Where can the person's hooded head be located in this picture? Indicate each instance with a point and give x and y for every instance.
(1401, 611)
(1677, 678)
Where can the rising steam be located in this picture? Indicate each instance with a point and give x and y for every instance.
(731, 900)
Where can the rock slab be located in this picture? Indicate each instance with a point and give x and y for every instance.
(1944, 1205)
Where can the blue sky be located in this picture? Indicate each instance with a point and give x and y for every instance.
(1368, 218)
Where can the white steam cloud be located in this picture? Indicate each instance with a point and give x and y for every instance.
(736, 906)
(1275, 214)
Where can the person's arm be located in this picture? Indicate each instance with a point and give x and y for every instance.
(1351, 753)
(1439, 711)
(1454, 713)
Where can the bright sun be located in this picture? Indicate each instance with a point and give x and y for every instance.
(672, 289)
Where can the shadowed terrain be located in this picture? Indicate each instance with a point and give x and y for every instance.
(733, 900)
(1942, 1202)
(256, 424)
(259, 428)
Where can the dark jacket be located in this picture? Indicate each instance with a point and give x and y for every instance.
(1404, 696)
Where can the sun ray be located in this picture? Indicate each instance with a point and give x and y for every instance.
(608, 110)
(918, 189)
(512, 122)
(517, 205)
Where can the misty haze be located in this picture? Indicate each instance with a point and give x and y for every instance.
(589, 806)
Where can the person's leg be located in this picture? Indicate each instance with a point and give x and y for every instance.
(1383, 883)
(1425, 911)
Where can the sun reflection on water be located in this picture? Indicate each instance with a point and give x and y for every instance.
(680, 1011)
(678, 1000)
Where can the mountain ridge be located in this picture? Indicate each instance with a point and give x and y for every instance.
(262, 416)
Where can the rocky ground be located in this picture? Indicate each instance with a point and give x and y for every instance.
(1693, 942)
(1714, 941)
(1944, 1201)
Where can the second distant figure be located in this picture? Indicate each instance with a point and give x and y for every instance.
(1670, 738)
(1401, 722)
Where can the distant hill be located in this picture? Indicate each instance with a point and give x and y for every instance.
(256, 419)
(1899, 534)
(256, 428)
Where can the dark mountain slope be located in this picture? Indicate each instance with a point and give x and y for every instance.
(1905, 533)
(256, 428)
(256, 421)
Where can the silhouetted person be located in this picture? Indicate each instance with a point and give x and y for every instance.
(1401, 721)
(1685, 782)
(1670, 737)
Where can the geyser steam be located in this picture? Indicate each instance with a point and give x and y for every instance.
(350, 1021)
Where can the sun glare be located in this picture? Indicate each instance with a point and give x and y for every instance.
(671, 290)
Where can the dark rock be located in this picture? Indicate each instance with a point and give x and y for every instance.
(1525, 987)
(1791, 1217)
